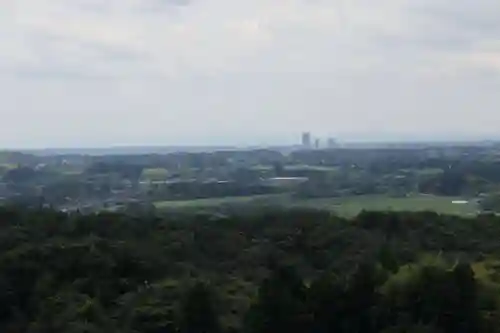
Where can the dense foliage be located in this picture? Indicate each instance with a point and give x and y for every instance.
(274, 271)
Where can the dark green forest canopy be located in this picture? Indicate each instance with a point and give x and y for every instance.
(301, 271)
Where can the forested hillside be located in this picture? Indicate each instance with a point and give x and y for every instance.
(298, 271)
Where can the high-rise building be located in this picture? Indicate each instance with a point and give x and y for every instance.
(306, 140)
(332, 143)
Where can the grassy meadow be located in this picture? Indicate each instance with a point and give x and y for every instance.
(342, 206)
(214, 202)
(351, 206)
(155, 174)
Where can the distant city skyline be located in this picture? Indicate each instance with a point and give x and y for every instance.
(292, 140)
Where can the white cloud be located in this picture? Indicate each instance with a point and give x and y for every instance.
(151, 62)
(219, 35)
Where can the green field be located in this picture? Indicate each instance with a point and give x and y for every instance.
(155, 174)
(430, 171)
(345, 206)
(351, 206)
(305, 167)
(424, 172)
(8, 165)
(214, 202)
(299, 167)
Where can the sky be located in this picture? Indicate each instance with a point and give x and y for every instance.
(95, 73)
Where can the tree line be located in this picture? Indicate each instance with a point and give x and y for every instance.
(262, 271)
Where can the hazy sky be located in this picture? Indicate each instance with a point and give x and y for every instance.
(119, 72)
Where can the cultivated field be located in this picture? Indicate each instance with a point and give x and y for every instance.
(351, 206)
(155, 174)
(302, 167)
(8, 166)
(214, 202)
(345, 206)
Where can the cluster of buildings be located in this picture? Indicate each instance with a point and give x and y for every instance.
(310, 142)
